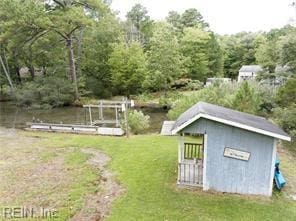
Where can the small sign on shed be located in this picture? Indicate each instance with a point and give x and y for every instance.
(236, 154)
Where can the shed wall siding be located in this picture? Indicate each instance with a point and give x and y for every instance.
(232, 175)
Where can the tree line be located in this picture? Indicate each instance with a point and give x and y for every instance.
(57, 51)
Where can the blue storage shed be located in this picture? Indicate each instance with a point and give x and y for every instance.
(236, 154)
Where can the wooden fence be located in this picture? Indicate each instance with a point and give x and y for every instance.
(193, 151)
(190, 174)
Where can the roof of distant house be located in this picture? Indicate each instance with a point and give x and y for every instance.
(229, 117)
(251, 68)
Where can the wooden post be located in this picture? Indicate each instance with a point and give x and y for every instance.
(204, 163)
(101, 110)
(90, 117)
(181, 148)
(85, 116)
(116, 116)
(126, 118)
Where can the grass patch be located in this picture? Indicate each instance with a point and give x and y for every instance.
(76, 157)
(48, 156)
(36, 173)
(147, 167)
(85, 181)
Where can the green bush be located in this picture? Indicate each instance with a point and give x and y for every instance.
(245, 97)
(97, 87)
(45, 92)
(220, 94)
(5, 93)
(169, 98)
(137, 122)
(285, 114)
(194, 85)
(187, 84)
(287, 93)
(286, 118)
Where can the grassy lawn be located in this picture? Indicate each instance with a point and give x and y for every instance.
(146, 166)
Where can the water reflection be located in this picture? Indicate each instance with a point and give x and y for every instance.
(15, 117)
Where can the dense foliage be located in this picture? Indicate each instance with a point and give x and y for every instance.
(247, 97)
(128, 68)
(85, 42)
(285, 113)
(46, 92)
(52, 53)
(165, 60)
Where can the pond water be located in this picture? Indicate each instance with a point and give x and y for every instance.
(12, 116)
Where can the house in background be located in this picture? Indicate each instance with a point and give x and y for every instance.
(248, 72)
(235, 151)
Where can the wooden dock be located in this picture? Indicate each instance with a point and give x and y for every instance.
(78, 129)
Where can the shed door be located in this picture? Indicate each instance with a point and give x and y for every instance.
(191, 166)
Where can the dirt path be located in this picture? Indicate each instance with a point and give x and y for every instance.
(288, 168)
(97, 206)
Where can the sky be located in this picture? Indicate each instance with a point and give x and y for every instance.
(224, 16)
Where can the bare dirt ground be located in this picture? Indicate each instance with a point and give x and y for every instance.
(24, 177)
(288, 168)
(97, 206)
(35, 175)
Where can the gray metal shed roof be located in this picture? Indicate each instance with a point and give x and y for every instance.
(229, 117)
(251, 68)
(167, 127)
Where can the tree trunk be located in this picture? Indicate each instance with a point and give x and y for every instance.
(18, 74)
(32, 71)
(30, 65)
(79, 42)
(72, 69)
(44, 70)
(6, 73)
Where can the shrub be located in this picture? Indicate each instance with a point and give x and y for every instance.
(45, 92)
(6, 93)
(194, 85)
(286, 118)
(97, 87)
(250, 98)
(169, 98)
(187, 84)
(246, 99)
(180, 83)
(285, 114)
(137, 122)
(220, 94)
(287, 93)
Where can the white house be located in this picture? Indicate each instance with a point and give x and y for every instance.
(248, 72)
